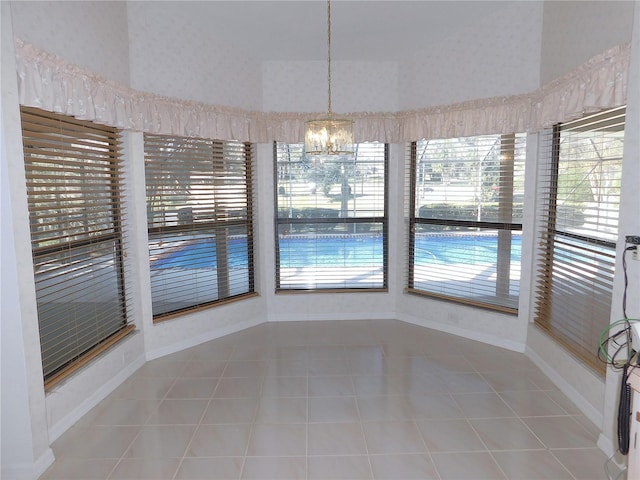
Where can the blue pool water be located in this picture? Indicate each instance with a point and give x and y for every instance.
(471, 249)
(343, 251)
(331, 251)
(202, 254)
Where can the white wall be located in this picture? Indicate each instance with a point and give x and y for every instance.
(629, 225)
(146, 45)
(499, 329)
(175, 52)
(91, 34)
(497, 55)
(356, 86)
(575, 31)
(17, 440)
(24, 441)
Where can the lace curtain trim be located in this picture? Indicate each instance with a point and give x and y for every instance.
(49, 82)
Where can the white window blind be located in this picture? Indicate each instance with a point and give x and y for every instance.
(466, 219)
(579, 228)
(199, 214)
(331, 219)
(73, 172)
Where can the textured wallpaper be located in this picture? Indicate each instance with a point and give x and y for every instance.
(89, 34)
(573, 32)
(496, 56)
(355, 86)
(190, 51)
(175, 49)
(176, 52)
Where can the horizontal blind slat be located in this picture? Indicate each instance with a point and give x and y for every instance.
(466, 201)
(199, 201)
(578, 229)
(74, 181)
(331, 219)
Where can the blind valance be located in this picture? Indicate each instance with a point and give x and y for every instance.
(51, 83)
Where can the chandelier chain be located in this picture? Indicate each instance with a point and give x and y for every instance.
(329, 55)
(328, 135)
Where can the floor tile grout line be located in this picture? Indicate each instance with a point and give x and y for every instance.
(478, 433)
(546, 393)
(141, 427)
(563, 465)
(202, 415)
(395, 348)
(488, 449)
(428, 450)
(306, 430)
(251, 428)
(362, 432)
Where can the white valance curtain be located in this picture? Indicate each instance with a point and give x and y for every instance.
(598, 84)
(49, 82)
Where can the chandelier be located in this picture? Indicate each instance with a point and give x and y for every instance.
(328, 135)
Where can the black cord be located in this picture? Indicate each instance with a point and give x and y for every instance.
(624, 413)
(625, 332)
(626, 278)
(624, 402)
(614, 340)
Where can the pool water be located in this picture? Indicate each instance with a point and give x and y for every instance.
(202, 254)
(347, 251)
(343, 251)
(470, 249)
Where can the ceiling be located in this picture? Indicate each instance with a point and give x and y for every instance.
(366, 30)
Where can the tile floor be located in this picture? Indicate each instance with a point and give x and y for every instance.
(334, 400)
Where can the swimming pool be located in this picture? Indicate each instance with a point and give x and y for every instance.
(341, 251)
(455, 249)
(202, 253)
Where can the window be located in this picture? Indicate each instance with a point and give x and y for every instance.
(578, 231)
(199, 217)
(465, 221)
(331, 219)
(73, 190)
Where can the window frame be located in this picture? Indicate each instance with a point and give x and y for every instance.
(72, 167)
(593, 256)
(211, 223)
(504, 229)
(383, 221)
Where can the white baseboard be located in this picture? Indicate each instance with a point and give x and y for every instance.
(606, 445)
(76, 414)
(205, 337)
(44, 462)
(72, 417)
(29, 471)
(610, 450)
(302, 317)
(582, 403)
(461, 332)
(421, 322)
